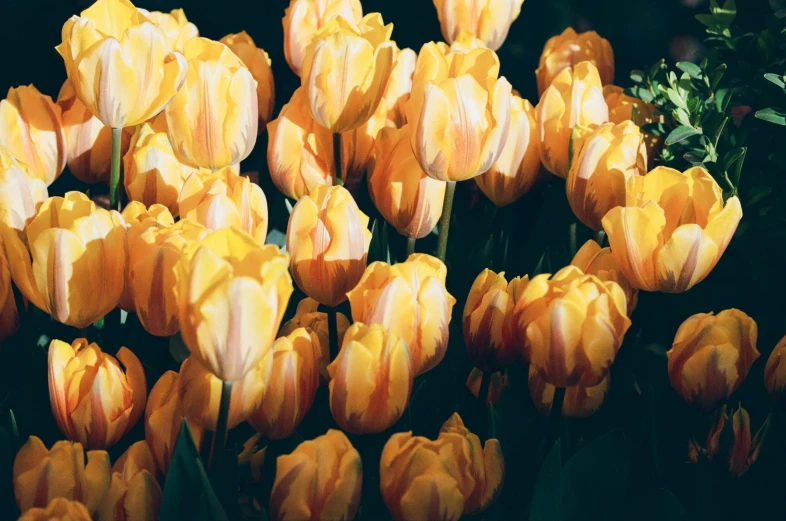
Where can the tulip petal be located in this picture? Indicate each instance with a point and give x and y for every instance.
(634, 238)
(685, 259)
(97, 479)
(135, 374)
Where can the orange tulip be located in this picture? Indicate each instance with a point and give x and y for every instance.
(775, 370)
(579, 402)
(134, 493)
(21, 193)
(9, 315)
(59, 509)
(594, 260)
(488, 20)
(570, 48)
(498, 382)
(258, 62)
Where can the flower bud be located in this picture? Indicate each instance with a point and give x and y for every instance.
(673, 229)
(59, 509)
(488, 20)
(21, 193)
(328, 240)
(304, 18)
(177, 29)
(41, 475)
(602, 164)
(409, 299)
(458, 112)
(474, 383)
(134, 493)
(301, 491)
(70, 260)
(571, 326)
(627, 108)
(224, 199)
(290, 388)
(258, 63)
(579, 402)
(402, 192)
(232, 294)
(711, 356)
(370, 380)
(775, 370)
(346, 69)
(594, 260)
(212, 120)
(31, 127)
(570, 48)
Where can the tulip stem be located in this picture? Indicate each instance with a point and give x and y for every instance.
(600, 237)
(337, 157)
(444, 221)
(572, 244)
(485, 384)
(114, 180)
(410, 245)
(220, 435)
(333, 332)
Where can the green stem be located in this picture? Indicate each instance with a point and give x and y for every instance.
(220, 436)
(410, 246)
(337, 158)
(485, 384)
(114, 180)
(444, 221)
(600, 237)
(333, 332)
(572, 238)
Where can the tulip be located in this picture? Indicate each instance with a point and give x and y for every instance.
(497, 381)
(711, 356)
(487, 312)
(458, 112)
(399, 87)
(232, 293)
(316, 325)
(200, 393)
(152, 172)
(40, 475)
(328, 240)
(602, 164)
(291, 386)
(9, 315)
(410, 299)
(70, 260)
(594, 260)
(569, 108)
(177, 29)
(570, 48)
(223, 200)
(357, 147)
(59, 509)
(31, 127)
(488, 20)
(405, 196)
(712, 446)
(163, 417)
(299, 150)
(627, 108)
(304, 18)
(579, 402)
(517, 168)
(258, 63)
(88, 141)
(370, 380)
(775, 370)
(319, 481)
(134, 493)
(212, 120)
(571, 326)
(681, 228)
(136, 213)
(346, 69)
(21, 193)
(120, 63)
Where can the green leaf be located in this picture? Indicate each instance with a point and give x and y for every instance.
(289, 206)
(637, 76)
(777, 79)
(706, 19)
(177, 348)
(546, 504)
(772, 115)
(494, 422)
(691, 69)
(723, 98)
(724, 15)
(277, 237)
(379, 249)
(680, 134)
(656, 505)
(733, 162)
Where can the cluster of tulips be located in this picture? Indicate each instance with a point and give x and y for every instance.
(187, 252)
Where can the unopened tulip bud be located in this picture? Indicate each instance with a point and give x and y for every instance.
(594, 260)
(579, 402)
(488, 20)
(177, 29)
(775, 370)
(570, 48)
(59, 509)
(258, 62)
(711, 356)
(134, 494)
(745, 450)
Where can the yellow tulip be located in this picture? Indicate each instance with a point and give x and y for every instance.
(594, 260)
(134, 493)
(573, 103)
(328, 240)
(21, 193)
(304, 18)
(711, 356)
(402, 192)
(152, 173)
(571, 326)
(31, 127)
(9, 315)
(570, 48)
(232, 293)
(120, 63)
(775, 370)
(680, 225)
(163, 418)
(357, 147)
(316, 325)
(602, 164)
(487, 313)
(399, 87)
(496, 384)
(319, 481)
(177, 29)
(224, 199)
(346, 69)
(410, 299)
(458, 112)
(299, 150)
(93, 400)
(212, 120)
(200, 393)
(135, 213)
(40, 475)
(516, 169)
(488, 20)
(59, 509)
(579, 402)
(627, 108)
(291, 386)
(258, 62)
(370, 380)
(70, 260)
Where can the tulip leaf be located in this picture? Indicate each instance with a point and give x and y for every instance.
(680, 134)
(379, 249)
(546, 504)
(277, 237)
(177, 348)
